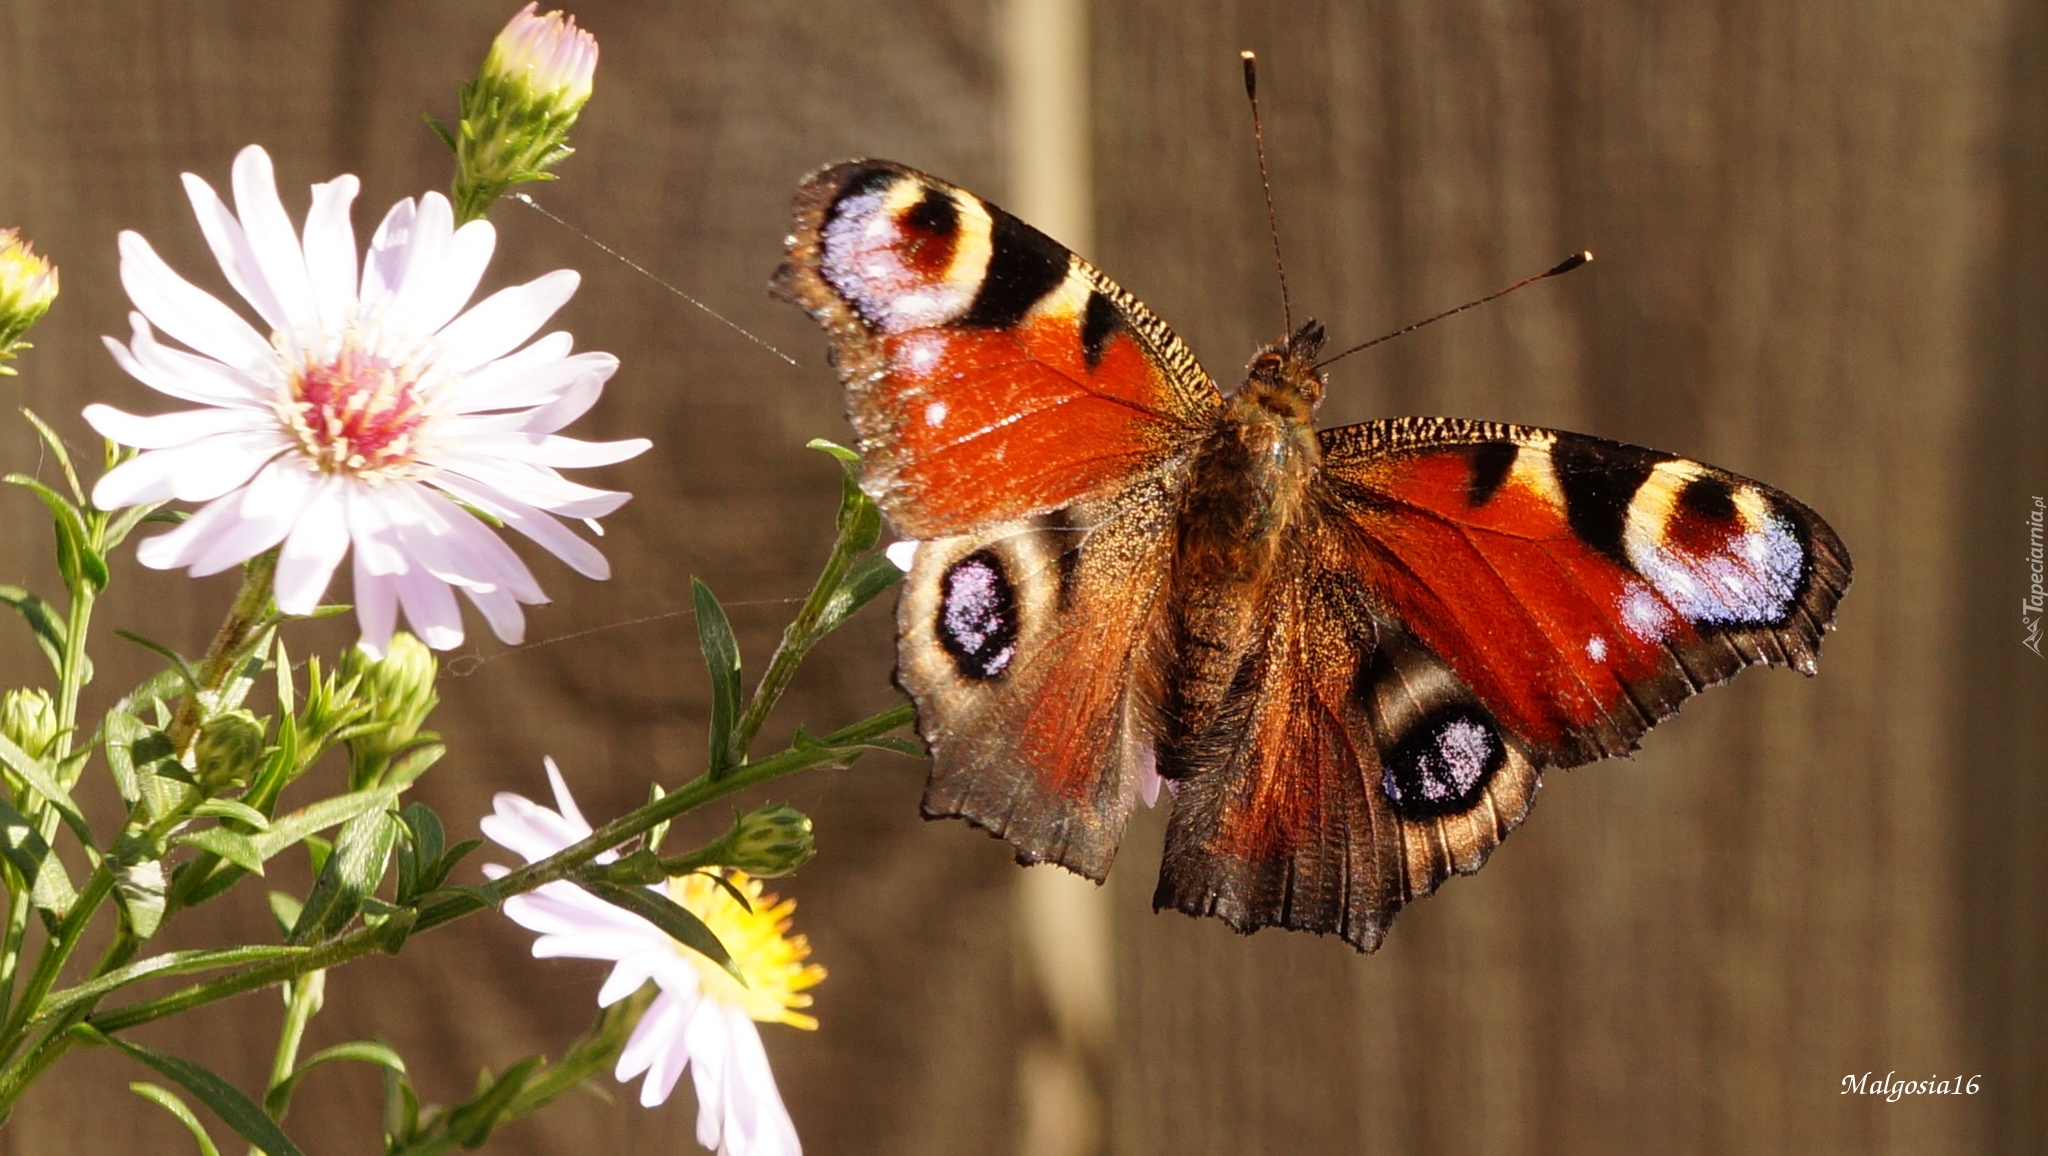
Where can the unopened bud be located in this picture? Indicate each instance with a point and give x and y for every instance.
(399, 689)
(28, 284)
(230, 745)
(29, 720)
(517, 112)
(768, 843)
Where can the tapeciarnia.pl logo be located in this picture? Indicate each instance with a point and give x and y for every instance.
(1891, 1089)
(2036, 601)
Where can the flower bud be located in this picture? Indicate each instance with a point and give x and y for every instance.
(770, 842)
(517, 112)
(230, 745)
(29, 720)
(399, 690)
(28, 284)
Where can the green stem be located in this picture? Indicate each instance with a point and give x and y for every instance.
(450, 907)
(797, 640)
(247, 624)
(303, 997)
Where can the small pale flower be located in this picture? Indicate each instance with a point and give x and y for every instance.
(378, 415)
(703, 1020)
(547, 57)
(28, 284)
(517, 113)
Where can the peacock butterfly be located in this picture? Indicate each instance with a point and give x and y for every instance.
(1353, 651)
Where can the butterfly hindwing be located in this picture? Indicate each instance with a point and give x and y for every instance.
(1583, 588)
(1024, 648)
(991, 374)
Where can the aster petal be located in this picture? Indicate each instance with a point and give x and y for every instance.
(549, 534)
(232, 250)
(659, 1024)
(574, 403)
(376, 599)
(279, 257)
(186, 311)
(526, 484)
(565, 803)
(384, 264)
(161, 431)
(754, 1106)
(371, 532)
(707, 1040)
(315, 547)
(268, 507)
(430, 609)
(177, 548)
(583, 943)
(503, 321)
(197, 471)
(665, 1068)
(501, 610)
(330, 248)
(535, 375)
(185, 375)
(477, 552)
(519, 824)
(435, 291)
(555, 452)
(426, 252)
(631, 973)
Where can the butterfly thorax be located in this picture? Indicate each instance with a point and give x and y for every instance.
(1249, 485)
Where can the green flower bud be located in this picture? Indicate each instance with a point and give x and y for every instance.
(28, 284)
(230, 745)
(768, 843)
(29, 720)
(517, 112)
(399, 691)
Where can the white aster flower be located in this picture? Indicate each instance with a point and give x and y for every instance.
(373, 414)
(703, 1020)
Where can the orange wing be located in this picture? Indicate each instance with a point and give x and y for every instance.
(991, 374)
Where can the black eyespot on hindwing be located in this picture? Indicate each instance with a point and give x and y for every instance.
(1023, 266)
(931, 231)
(1442, 765)
(1709, 497)
(978, 616)
(1099, 322)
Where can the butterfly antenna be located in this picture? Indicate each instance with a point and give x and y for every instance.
(1251, 92)
(636, 267)
(1565, 266)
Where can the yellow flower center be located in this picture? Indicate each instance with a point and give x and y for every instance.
(771, 959)
(357, 414)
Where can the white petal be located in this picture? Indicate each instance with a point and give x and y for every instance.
(186, 311)
(384, 264)
(370, 529)
(430, 609)
(161, 431)
(550, 534)
(426, 252)
(903, 553)
(194, 472)
(533, 376)
(555, 452)
(330, 247)
(314, 549)
(275, 243)
(625, 979)
(178, 547)
(436, 291)
(267, 508)
(185, 375)
(527, 484)
(376, 599)
(707, 1039)
(755, 1107)
(574, 403)
(503, 321)
(474, 550)
(662, 1073)
(565, 803)
(660, 1024)
(230, 245)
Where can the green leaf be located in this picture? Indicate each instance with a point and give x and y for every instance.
(861, 585)
(140, 888)
(232, 846)
(362, 851)
(178, 662)
(77, 561)
(672, 918)
(158, 966)
(413, 763)
(228, 1102)
(401, 1110)
(22, 844)
(43, 619)
(860, 523)
(289, 829)
(471, 1123)
(722, 659)
(659, 831)
(230, 809)
(118, 733)
(59, 451)
(362, 1051)
(168, 1100)
(424, 836)
(285, 909)
(36, 773)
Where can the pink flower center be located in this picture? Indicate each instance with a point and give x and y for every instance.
(357, 413)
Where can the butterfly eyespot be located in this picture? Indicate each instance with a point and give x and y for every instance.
(1442, 765)
(977, 620)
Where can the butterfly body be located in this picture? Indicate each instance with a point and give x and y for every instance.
(1353, 650)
